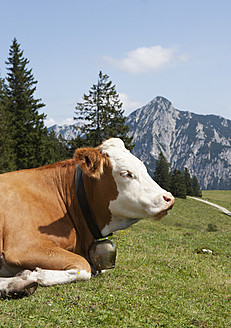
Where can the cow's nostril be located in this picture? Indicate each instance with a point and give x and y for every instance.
(167, 199)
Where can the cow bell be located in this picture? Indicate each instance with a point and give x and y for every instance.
(102, 254)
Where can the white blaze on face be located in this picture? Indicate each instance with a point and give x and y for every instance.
(139, 196)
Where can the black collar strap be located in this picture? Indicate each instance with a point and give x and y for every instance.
(84, 205)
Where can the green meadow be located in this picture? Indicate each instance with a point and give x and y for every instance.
(162, 278)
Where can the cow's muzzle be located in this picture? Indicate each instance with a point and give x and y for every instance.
(169, 201)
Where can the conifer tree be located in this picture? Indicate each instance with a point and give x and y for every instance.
(57, 148)
(27, 126)
(161, 173)
(78, 142)
(178, 187)
(102, 114)
(7, 156)
(188, 182)
(196, 187)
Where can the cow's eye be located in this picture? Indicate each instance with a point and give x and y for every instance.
(126, 174)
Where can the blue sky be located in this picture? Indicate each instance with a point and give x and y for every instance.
(179, 49)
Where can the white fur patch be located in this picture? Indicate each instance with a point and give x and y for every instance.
(117, 224)
(112, 142)
(4, 284)
(56, 277)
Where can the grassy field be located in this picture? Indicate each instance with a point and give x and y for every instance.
(220, 197)
(160, 279)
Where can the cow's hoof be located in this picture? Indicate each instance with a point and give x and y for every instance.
(22, 289)
(30, 290)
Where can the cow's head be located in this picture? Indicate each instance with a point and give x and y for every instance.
(139, 196)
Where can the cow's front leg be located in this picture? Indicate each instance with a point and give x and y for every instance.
(51, 265)
(58, 277)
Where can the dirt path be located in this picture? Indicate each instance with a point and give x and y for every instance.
(222, 209)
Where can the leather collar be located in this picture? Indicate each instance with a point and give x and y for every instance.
(84, 205)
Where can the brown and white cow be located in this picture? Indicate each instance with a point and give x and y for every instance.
(44, 238)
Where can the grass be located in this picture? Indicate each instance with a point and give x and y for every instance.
(159, 279)
(220, 197)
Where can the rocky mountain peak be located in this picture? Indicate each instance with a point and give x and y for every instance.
(161, 102)
(199, 142)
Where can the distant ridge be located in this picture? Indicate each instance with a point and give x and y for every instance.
(68, 132)
(202, 143)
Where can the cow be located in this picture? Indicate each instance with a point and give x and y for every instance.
(45, 234)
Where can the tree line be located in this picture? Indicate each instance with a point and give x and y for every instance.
(177, 182)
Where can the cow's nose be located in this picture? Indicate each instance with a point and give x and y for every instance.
(170, 200)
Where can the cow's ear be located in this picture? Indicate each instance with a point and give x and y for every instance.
(91, 161)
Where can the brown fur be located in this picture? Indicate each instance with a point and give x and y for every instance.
(39, 211)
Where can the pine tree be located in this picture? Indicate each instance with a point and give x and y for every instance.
(102, 114)
(161, 173)
(188, 182)
(196, 187)
(57, 149)
(27, 125)
(78, 142)
(178, 187)
(7, 156)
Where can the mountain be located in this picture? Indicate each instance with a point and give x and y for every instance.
(68, 132)
(202, 143)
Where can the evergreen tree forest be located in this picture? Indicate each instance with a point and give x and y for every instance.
(179, 183)
(102, 114)
(24, 139)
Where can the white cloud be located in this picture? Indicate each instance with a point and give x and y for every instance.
(145, 59)
(128, 104)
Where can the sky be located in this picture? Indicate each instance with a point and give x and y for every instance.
(178, 49)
